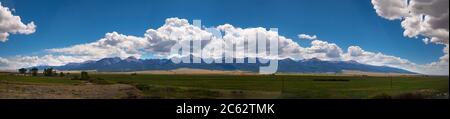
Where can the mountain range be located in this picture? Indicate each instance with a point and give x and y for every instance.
(314, 65)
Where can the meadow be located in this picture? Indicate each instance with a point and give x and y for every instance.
(155, 86)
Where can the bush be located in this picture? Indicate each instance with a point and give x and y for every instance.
(49, 72)
(413, 95)
(100, 81)
(84, 76)
(34, 71)
(382, 96)
(61, 74)
(143, 87)
(22, 71)
(421, 94)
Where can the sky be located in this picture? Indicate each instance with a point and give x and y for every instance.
(379, 28)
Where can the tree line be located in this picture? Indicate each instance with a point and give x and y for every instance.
(51, 72)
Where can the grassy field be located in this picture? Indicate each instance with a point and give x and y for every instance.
(260, 86)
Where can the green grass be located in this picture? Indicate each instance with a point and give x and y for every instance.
(294, 86)
(262, 86)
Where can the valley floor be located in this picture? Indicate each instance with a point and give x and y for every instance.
(183, 86)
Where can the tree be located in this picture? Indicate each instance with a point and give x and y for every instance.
(34, 71)
(84, 75)
(61, 74)
(49, 72)
(22, 70)
(45, 72)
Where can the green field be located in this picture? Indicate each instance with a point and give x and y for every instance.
(260, 86)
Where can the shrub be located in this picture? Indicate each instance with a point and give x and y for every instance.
(84, 76)
(50, 72)
(34, 71)
(22, 71)
(143, 87)
(413, 95)
(61, 74)
(100, 81)
(421, 94)
(382, 96)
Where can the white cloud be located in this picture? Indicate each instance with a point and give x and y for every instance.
(3, 62)
(307, 37)
(355, 51)
(427, 18)
(322, 50)
(391, 9)
(287, 48)
(16, 62)
(112, 45)
(379, 59)
(426, 40)
(174, 30)
(10, 24)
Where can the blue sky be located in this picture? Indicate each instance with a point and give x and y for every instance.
(62, 23)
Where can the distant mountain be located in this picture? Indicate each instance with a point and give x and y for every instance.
(284, 66)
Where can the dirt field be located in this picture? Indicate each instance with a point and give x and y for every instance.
(85, 91)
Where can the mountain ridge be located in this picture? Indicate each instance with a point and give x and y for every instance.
(314, 65)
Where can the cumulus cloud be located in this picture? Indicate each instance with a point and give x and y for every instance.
(10, 24)
(160, 41)
(287, 48)
(332, 52)
(356, 53)
(391, 9)
(174, 30)
(112, 45)
(322, 50)
(307, 37)
(379, 59)
(15, 62)
(156, 41)
(427, 18)
(3, 62)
